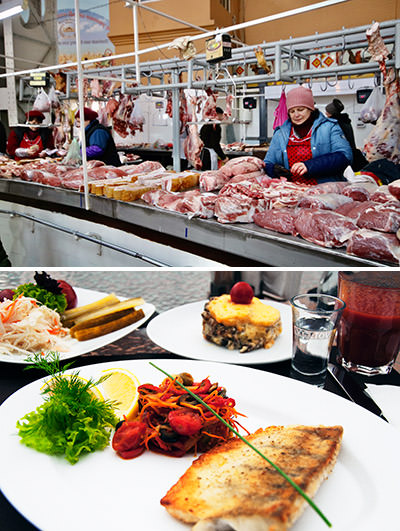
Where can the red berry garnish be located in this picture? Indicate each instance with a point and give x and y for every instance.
(69, 293)
(242, 293)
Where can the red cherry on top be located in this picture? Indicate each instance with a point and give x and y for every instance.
(242, 293)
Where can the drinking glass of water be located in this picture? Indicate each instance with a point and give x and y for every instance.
(315, 320)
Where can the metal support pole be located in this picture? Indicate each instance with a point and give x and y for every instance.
(190, 73)
(277, 62)
(10, 67)
(397, 47)
(81, 102)
(136, 43)
(176, 124)
(263, 114)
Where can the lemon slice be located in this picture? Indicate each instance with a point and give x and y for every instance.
(122, 385)
(94, 391)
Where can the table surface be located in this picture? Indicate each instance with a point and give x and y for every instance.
(136, 345)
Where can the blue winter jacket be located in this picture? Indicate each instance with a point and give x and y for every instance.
(331, 152)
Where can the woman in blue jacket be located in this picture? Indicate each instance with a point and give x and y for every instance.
(100, 144)
(308, 148)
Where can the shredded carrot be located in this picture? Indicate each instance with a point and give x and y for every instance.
(156, 403)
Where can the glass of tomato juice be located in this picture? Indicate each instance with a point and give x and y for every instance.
(369, 331)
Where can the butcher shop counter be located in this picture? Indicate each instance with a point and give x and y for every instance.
(240, 245)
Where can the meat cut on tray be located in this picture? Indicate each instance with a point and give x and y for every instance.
(324, 227)
(374, 245)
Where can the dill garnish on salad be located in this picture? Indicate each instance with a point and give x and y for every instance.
(73, 419)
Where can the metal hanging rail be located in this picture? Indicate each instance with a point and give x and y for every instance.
(87, 237)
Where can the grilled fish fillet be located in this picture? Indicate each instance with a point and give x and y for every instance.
(232, 487)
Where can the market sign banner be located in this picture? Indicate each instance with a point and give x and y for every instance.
(94, 36)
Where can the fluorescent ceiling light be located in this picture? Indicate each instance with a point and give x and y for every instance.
(11, 8)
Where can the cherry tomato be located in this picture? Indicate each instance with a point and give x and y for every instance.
(185, 421)
(128, 439)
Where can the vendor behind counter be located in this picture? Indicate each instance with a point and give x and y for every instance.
(212, 153)
(29, 142)
(100, 144)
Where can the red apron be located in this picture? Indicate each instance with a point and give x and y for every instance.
(299, 150)
(27, 142)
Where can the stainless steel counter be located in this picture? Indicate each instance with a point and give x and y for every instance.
(247, 241)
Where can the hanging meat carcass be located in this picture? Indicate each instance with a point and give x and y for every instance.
(121, 117)
(210, 106)
(96, 88)
(384, 139)
(168, 109)
(228, 108)
(192, 146)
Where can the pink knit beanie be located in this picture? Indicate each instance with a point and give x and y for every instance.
(300, 97)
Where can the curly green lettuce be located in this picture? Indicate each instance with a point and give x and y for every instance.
(55, 301)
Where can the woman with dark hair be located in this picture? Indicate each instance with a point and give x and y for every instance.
(212, 152)
(28, 142)
(100, 144)
(308, 148)
(334, 110)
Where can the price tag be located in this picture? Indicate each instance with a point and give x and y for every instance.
(39, 79)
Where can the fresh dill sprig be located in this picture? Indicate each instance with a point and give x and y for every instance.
(276, 467)
(73, 420)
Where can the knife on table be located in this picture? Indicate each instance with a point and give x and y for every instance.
(353, 390)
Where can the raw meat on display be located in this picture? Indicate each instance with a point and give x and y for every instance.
(191, 202)
(360, 191)
(238, 209)
(121, 117)
(243, 188)
(105, 172)
(376, 46)
(278, 219)
(323, 201)
(228, 107)
(384, 140)
(210, 106)
(94, 164)
(281, 192)
(168, 109)
(96, 89)
(380, 219)
(242, 165)
(324, 227)
(354, 209)
(183, 112)
(192, 146)
(42, 176)
(147, 165)
(252, 176)
(120, 127)
(394, 188)
(112, 106)
(212, 180)
(374, 245)
(239, 202)
(327, 188)
(382, 194)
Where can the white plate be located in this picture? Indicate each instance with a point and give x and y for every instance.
(103, 492)
(179, 330)
(77, 348)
